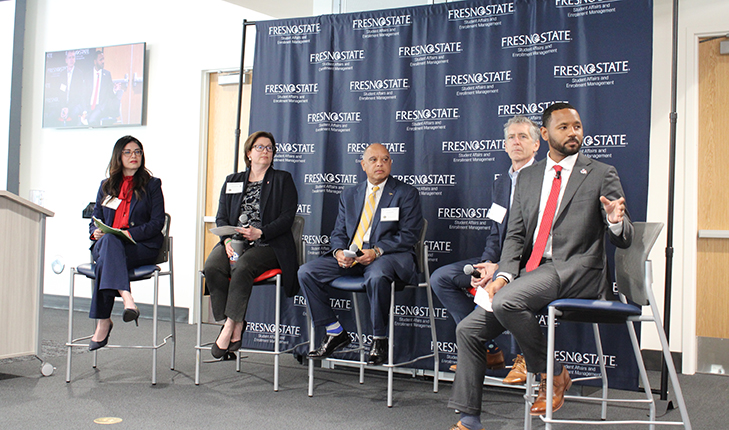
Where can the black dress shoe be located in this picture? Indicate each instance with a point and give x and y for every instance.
(93, 345)
(215, 350)
(330, 344)
(378, 352)
(131, 315)
(235, 346)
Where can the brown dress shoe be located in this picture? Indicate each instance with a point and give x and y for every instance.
(495, 360)
(562, 383)
(458, 426)
(517, 374)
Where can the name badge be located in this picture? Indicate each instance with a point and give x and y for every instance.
(390, 214)
(496, 213)
(234, 188)
(111, 202)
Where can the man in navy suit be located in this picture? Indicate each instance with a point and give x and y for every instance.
(450, 284)
(581, 199)
(383, 217)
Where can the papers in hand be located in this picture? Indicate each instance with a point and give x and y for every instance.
(110, 230)
(226, 230)
(482, 299)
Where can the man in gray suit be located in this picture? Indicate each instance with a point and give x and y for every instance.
(554, 248)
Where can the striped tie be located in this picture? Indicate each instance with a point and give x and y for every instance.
(366, 219)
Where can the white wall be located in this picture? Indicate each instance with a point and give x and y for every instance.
(197, 36)
(697, 18)
(7, 19)
(184, 38)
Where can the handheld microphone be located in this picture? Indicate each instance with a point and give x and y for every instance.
(243, 219)
(354, 248)
(468, 269)
(353, 251)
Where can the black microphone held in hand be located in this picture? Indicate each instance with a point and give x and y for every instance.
(468, 269)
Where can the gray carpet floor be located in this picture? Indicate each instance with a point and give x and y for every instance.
(120, 387)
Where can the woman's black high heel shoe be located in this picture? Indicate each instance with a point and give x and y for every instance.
(93, 345)
(131, 315)
(235, 346)
(217, 351)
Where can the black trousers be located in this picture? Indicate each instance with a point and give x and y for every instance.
(230, 287)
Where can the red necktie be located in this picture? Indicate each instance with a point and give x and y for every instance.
(546, 226)
(95, 97)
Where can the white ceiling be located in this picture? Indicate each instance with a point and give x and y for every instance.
(278, 8)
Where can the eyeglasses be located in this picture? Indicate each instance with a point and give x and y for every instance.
(128, 153)
(261, 148)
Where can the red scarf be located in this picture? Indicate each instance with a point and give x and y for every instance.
(121, 217)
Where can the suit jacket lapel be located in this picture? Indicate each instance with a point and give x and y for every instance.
(132, 203)
(530, 204)
(236, 200)
(576, 179)
(265, 189)
(387, 194)
(358, 204)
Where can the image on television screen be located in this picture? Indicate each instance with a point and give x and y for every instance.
(94, 87)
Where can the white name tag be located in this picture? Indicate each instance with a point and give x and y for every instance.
(63, 87)
(390, 214)
(111, 202)
(234, 188)
(496, 213)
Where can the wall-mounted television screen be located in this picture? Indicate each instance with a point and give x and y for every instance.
(94, 87)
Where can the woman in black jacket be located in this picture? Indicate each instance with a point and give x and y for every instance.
(261, 203)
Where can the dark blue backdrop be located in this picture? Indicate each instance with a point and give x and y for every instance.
(435, 84)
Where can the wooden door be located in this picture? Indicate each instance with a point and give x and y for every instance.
(712, 301)
(222, 112)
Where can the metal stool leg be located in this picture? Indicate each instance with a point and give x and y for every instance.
(312, 338)
(70, 325)
(391, 346)
(154, 328)
(198, 352)
(355, 303)
(277, 345)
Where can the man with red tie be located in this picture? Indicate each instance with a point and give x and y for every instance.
(554, 248)
(104, 95)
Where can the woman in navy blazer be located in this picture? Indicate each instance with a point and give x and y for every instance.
(129, 199)
(267, 198)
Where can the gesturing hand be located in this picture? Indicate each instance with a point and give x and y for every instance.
(614, 209)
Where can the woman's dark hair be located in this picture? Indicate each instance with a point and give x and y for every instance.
(248, 146)
(115, 170)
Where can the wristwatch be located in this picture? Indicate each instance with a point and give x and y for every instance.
(378, 252)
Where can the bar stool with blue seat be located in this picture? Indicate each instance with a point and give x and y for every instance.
(634, 279)
(355, 285)
(152, 271)
(269, 277)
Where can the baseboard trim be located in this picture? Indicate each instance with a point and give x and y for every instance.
(82, 304)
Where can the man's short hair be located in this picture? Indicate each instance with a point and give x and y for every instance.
(547, 115)
(520, 119)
